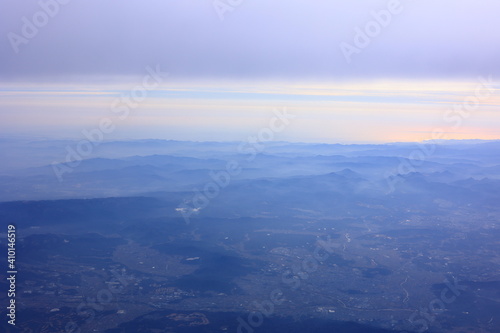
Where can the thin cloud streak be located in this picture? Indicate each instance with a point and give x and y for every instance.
(364, 111)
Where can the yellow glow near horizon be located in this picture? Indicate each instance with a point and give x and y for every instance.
(380, 111)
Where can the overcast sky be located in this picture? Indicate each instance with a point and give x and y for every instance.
(258, 38)
(93, 42)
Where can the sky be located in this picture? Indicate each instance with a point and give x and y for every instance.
(348, 71)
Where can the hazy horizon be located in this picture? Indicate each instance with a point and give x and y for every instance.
(250, 166)
(372, 71)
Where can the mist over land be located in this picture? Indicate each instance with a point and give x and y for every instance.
(201, 236)
(249, 166)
